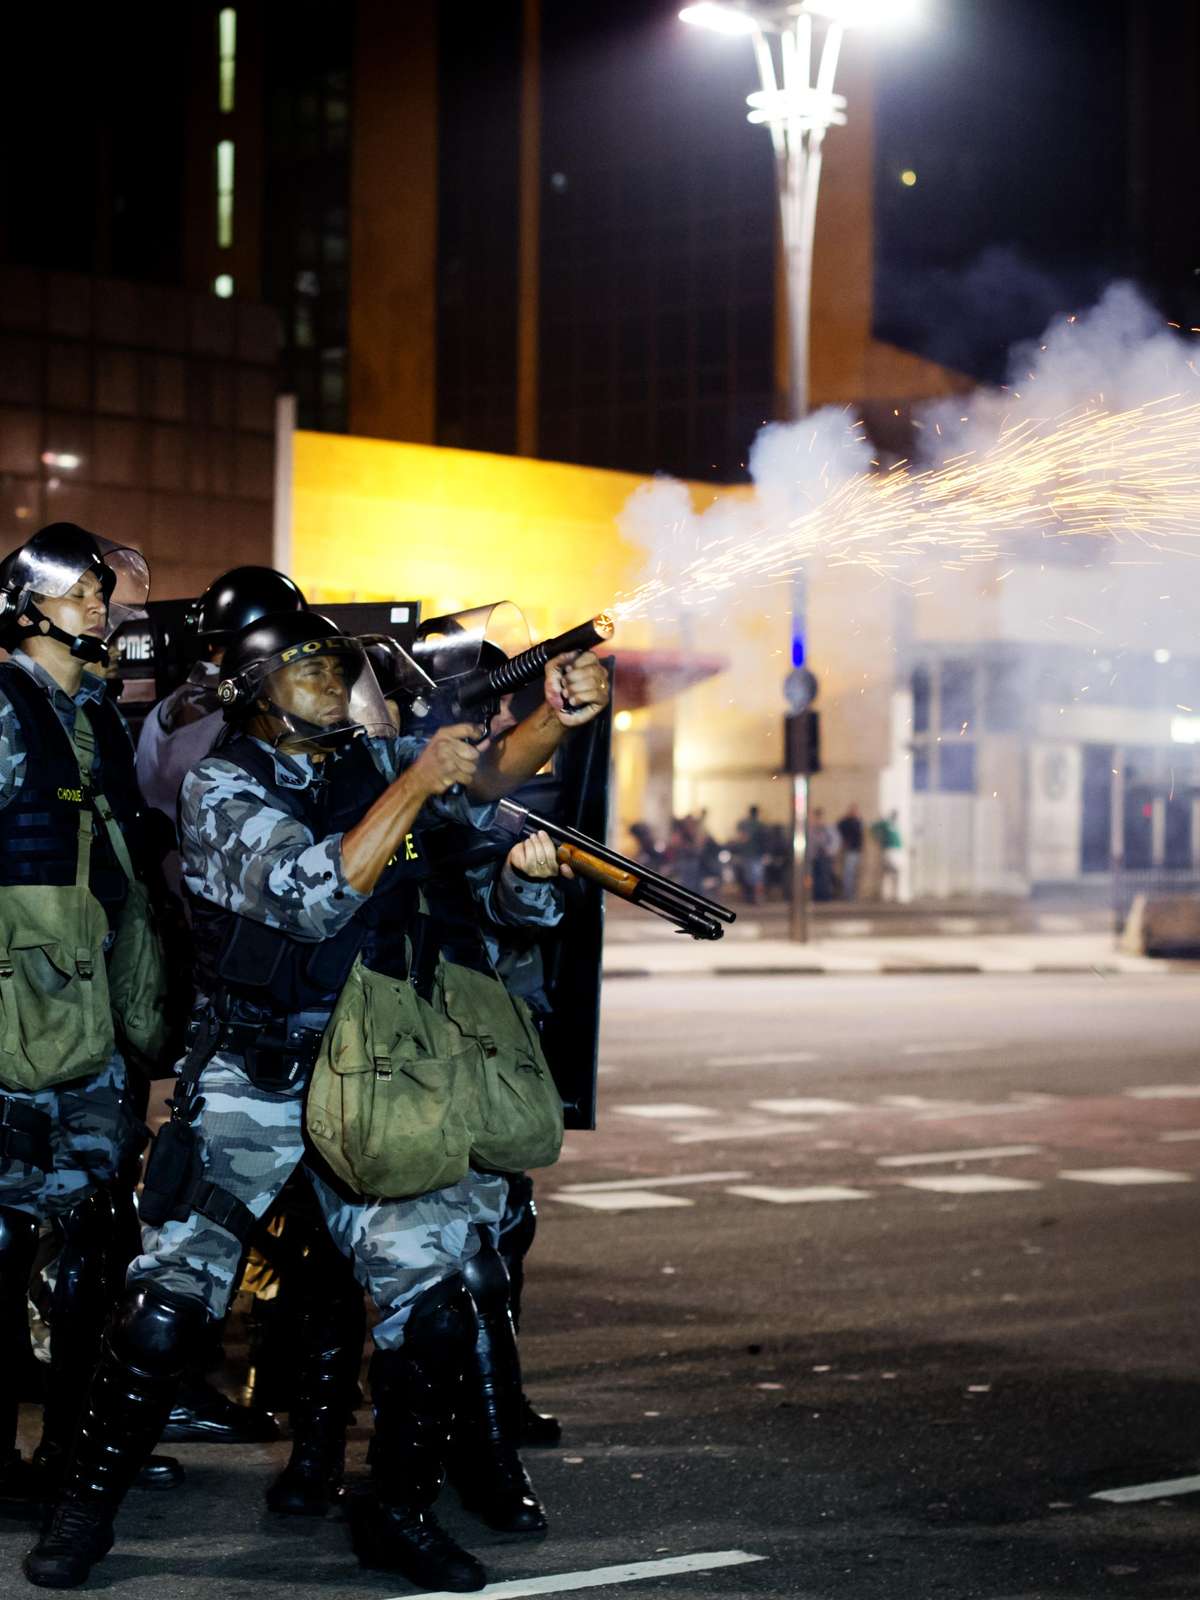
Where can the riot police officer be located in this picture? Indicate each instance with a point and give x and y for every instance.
(69, 884)
(180, 731)
(297, 847)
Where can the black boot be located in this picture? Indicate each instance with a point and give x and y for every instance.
(518, 1225)
(151, 1336)
(202, 1414)
(485, 1467)
(414, 1391)
(89, 1271)
(18, 1245)
(329, 1341)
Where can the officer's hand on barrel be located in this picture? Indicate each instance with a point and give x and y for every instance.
(576, 687)
(537, 857)
(448, 758)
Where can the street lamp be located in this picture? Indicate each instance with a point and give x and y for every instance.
(798, 109)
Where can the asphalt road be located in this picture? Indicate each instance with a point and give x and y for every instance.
(880, 1280)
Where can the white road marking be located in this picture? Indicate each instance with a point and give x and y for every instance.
(953, 1048)
(626, 1200)
(969, 1183)
(1180, 1136)
(1016, 1106)
(743, 1130)
(598, 1577)
(1165, 1091)
(668, 1109)
(1149, 1491)
(798, 1197)
(651, 1183)
(1124, 1175)
(800, 1107)
(782, 1059)
(932, 1157)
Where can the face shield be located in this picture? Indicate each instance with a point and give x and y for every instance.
(451, 646)
(367, 713)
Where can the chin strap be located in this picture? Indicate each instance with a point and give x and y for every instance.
(83, 646)
(297, 729)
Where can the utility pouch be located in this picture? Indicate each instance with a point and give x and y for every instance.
(510, 1102)
(138, 984)
(383, 1106)
(174, 1167)
(172, 1173)
(25, 1135)
(55, 1018)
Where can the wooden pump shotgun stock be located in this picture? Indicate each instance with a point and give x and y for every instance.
(691, 913)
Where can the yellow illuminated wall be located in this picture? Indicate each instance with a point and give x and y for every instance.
(377, 520)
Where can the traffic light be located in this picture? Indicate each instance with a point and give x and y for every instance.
(802, 742)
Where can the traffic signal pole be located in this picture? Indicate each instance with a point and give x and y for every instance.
(798, 919)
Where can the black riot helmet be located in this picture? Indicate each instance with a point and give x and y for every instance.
(49, 565)
(239, 597)
(280, 639)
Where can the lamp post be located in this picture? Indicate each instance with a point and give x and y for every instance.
(797, 104)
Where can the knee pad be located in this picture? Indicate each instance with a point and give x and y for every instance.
(155, 1332)
(486, 1278)
(83, 1265)
(519, 1222)
(441, 1317)
(18, 1246)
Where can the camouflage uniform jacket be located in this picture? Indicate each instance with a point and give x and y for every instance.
(12, 746)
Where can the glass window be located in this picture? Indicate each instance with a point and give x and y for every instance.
(956, 768)
(922, 695)
(225, 193)
(1001, 697)
(226, 57)
(921, 770)
(958, 696)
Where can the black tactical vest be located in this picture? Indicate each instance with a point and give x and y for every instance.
(235, 955)
(39, 827)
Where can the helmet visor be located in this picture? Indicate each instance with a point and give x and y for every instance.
(52, 567)
(447, 647)
(368, 710)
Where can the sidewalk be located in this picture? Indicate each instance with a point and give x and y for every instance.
(676, 955)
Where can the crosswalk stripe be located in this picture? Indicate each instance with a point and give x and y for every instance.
(1163, 1490)
(666, 1110)
(1124, 1175)
(622, 1200)
(800, 1106)
(602, 1577)
(969, 1183)
(988, 1153)
(615, 1184)
(813, 1194)
(780, 1059)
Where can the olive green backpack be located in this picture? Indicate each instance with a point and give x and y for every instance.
(59, 994)
(406, 1093)
(384, 1102)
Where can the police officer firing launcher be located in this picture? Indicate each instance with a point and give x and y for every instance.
(301, 854)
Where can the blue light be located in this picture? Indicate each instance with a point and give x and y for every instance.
(797, 649)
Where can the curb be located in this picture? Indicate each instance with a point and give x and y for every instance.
(887, 969)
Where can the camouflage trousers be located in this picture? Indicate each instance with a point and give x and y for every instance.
(252, 1139)
(94, 1130)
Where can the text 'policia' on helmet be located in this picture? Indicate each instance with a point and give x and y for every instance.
(239, 597)
(50, 564)
(283, 639)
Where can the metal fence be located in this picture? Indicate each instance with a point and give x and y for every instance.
(1154, 882)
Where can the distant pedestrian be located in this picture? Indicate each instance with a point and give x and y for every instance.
(886, 834)
(822, 848)
(751, 848)
(850, 828)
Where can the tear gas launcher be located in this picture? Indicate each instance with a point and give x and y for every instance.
(465, 666)
(691, 913)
